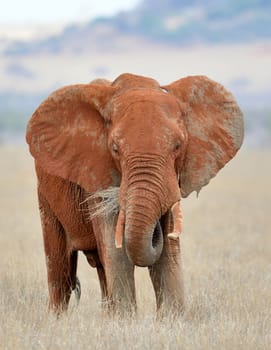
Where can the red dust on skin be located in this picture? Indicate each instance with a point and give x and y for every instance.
(156, 143)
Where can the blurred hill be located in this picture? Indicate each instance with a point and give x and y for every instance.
(228, 40)
(163, 21)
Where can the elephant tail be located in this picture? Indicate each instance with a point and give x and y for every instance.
(77, 289)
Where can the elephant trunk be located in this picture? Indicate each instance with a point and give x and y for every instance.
(144, 205)
(148, 191)
(143, 233)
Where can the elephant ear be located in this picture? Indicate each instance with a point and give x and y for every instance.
(67, 136)
(215, 129)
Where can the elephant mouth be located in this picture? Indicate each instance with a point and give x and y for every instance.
(157, 234)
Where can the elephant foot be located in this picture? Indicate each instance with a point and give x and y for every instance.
(120, 300)
(172, 309)
(118, 308)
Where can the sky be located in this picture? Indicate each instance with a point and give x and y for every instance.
(22, 12)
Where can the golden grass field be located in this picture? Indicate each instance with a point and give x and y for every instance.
(226, 247)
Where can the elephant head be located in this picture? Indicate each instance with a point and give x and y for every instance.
(156, 143)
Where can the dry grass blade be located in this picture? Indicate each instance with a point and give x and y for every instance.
(103, 203)
(226, 255)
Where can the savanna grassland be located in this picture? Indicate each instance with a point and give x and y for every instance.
(226, 247)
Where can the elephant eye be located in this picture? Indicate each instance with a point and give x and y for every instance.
(115, 149)
(177, 146)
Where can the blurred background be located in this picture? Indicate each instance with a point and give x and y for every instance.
(45, 45)
(226, 242)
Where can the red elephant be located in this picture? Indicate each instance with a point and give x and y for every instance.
(113, 161)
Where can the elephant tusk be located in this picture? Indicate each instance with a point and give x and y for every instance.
(119, 229)
(177, 221)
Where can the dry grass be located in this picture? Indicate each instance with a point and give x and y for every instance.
(227, 267)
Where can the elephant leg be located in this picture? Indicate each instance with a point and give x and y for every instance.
(61, 264)
(103, 284)
(117, 276)
(94, 261)
(166, 275)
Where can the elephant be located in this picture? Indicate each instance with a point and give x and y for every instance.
(113, 161)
